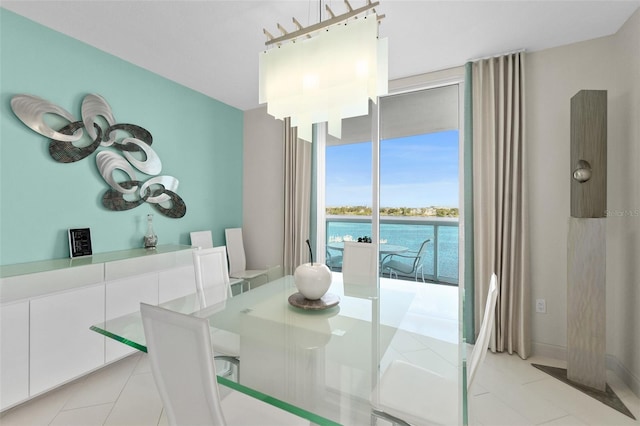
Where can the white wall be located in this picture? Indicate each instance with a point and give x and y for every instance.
(553, 76)
(623, 240)
(623, 243)
(263, 189)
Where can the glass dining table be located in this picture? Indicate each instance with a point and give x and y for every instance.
(325, 365)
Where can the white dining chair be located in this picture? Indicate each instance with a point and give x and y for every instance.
(212, 275)
(482, 342)
(213, 288)
(360, 263)
(274, 273)
(201, 239)
(411, 394)
(181, 359)
(238, 259)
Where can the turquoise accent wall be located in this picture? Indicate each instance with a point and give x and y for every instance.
(198, 139)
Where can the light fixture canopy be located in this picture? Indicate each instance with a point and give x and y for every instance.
(327, 77)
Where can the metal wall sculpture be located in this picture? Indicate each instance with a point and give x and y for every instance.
(78, 139)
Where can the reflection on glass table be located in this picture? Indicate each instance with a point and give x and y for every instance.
(325, 365)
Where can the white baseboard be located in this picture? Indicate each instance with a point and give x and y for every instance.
(623, 373)
(612, 363)
(549, 351)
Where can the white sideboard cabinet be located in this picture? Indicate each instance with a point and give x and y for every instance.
(176, 282)
(46, 309)
(14, 353)
(62, 346)
(123, 296)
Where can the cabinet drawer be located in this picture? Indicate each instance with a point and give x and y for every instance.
(27, 286)
(123, 297)
(176, 283)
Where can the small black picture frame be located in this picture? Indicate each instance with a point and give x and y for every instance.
(80, 242)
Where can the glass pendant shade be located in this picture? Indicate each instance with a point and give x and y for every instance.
(327, 77)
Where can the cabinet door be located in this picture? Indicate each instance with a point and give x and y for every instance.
(177, 282)
(14, 353)
(124, 297)
(61, 345)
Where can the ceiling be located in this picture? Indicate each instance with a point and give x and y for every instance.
(212, 46)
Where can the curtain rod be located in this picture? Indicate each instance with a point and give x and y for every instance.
(497, 55)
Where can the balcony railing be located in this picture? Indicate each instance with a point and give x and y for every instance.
(441, 261)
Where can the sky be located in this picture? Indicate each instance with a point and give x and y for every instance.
(416, 171)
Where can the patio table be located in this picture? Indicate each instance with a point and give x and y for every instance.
(384, 248)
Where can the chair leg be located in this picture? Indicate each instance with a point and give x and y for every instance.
(421, 269)
(249, 283)
(231, 361)
(374, 418)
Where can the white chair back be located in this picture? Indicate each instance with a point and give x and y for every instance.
(235, 248)
(360, 263)
(181, 358)
(411, 394)
(212, 276)
(480, 349)
(202, 239)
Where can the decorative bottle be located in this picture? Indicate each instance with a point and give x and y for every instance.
(150, 238)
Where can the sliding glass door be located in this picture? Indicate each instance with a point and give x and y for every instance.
(394, 177)
(419, 185)
(409, 176)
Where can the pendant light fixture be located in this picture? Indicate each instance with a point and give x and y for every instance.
(325, 72)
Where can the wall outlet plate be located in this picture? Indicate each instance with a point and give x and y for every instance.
(541, 306)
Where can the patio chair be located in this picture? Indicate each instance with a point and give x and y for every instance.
(334, 260)
(404, 263)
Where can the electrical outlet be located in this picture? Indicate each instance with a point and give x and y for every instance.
(541, 306)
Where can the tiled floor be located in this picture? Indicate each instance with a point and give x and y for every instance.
(508, 391)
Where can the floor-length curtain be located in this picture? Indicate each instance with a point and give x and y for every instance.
(499, 200)
(468, 329)
(297, 198)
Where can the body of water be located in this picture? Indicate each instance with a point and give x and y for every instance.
(411, 236)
